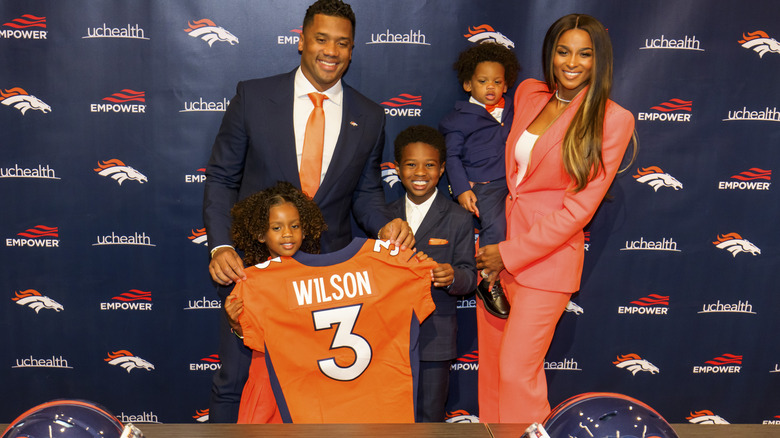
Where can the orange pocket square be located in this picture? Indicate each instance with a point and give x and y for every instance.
(435, 241)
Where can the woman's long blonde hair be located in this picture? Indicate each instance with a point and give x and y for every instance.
(582, 143)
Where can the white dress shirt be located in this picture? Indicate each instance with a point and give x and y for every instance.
(415, 213)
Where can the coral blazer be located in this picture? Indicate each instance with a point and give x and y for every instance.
(544, 248)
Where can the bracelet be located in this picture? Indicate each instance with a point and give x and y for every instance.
(236, 333)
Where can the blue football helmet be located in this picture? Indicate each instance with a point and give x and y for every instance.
(606, 415)
(69, 419)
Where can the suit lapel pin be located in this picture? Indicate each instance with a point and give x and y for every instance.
(353, 123)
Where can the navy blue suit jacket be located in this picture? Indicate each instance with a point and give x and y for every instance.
(476, 142)
(255, 148)
(448, 221)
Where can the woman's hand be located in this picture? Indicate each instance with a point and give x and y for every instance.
(489, 260)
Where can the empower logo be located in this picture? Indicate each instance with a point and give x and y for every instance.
(119, 171)
(20, 99)
(290, 39)
(196, 177)
(389, 173)
(705, 417)
(735, 244)
(133, 299)
(633, 363)
(400, 105)
(199, 237)
(38, 236)
(24, 27)
(126, 360)
(751, 179)
(467, 362)
(725, 364)
(760, 42)
(208, 363)
(669, 111)
(652, 304)
(657, 178)
(34, 300)
(486, 33)
(209, 32)
(121, 102)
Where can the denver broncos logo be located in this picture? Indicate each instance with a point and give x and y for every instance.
(760, 42)
(126, 360)
(209, 32)
(735, 244)
(705, 417)
(635, 364)
(201, 416)
(390, 174)
(486, 33)
(22, 100)
(574, 308)
(656, 178)
(120, 172)
(34, 300)
(460, 416)
(199, 236)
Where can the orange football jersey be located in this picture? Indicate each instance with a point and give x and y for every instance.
(337, 331)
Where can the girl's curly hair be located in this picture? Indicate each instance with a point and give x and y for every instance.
(250, 221)
(468, 60)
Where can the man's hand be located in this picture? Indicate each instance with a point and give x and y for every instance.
(398, 232)
(443, 275)
(226, 267)
(468, 200)
(234, 306)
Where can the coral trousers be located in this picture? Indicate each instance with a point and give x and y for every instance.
(512, 383)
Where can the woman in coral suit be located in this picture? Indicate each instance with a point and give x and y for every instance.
(565, 147)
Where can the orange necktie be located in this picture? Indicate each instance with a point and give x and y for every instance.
(313, 139)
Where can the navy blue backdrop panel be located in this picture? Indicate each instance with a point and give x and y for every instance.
(109, 110)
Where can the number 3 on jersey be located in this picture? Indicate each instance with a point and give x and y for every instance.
(344, 318)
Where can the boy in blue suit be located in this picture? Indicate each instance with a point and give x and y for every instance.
(445, 232)
(476, 132)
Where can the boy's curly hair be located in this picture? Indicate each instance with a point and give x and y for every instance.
(423, 134)
(487, 52)
(250, 221)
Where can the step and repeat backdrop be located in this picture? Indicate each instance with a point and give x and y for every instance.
(109, 111)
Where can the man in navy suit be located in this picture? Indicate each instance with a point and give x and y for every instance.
(445, 232)
(260, 142)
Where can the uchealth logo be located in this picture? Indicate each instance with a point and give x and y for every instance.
(410, 37)
(201, 416)
(467, 362)
(653, 304)
(203, 304)
(121, 102)
(128, 361)
(133, 299)
(657, 178)
(20, 99)
(135, 239)
(208, 363)
(718, 307)
(460, 416)
(760, 42)
(40, 172)
(26, 27)
(485, 33)
(119, 171)
(389, 173)
(562, 365)
(705, 417)
(648, 245)
(209, 32)
(751, 179)
(143, 417)
(199, 237)
(48, 362)
(762, 115)
(403, 105)
(634, 363)
(724, 364)
(201, 106)
(684, 43)
(673, 110)
(34, 300)
(134, 32)
(38, 236)
(735, 244)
